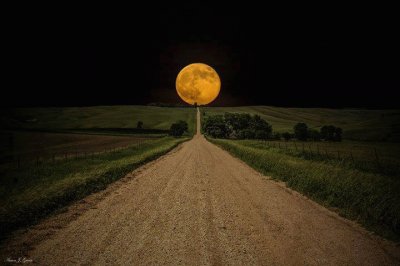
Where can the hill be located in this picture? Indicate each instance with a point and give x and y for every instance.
(97, 117)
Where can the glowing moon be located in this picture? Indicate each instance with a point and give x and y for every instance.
(198, 83)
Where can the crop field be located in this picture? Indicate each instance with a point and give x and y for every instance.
(24, 147)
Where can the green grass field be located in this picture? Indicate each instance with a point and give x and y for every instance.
(371, 125)
(370, 198)
(97, 117)
(28, 194)
(377, 157)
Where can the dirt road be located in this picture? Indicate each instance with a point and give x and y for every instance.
(200, 206)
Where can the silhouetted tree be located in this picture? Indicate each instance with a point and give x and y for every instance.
(262, 134)
(177, 129)
(216, 127)
(237, 121)
(314, 135)
(276, 136)
(286, 135)
(338, 134)
(331, 133)
(301, 131)
(237, 125)
(258, 124)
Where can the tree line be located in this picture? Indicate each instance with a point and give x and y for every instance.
(247, 126)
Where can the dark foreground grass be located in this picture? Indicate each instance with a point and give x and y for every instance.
(30, 194)
(371, 199)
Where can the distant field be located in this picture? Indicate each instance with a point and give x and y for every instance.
(30, 146)
(96, 117)
(371, 125)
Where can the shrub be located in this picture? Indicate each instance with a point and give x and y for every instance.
(314, 135)
(331, 133)
(240, 126)
(216, 127)
(301, 131)
(177, 129)
(286, 135)
(261, 134)
(276, 136)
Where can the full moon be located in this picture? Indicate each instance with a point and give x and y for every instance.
(198, 83)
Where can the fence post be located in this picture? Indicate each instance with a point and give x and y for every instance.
(352, 158)
(326, 152)
(279, 144)
(318, 149)
(303, 147)
(19, 161)
(295, 146)
(338, 155)
(54, 157)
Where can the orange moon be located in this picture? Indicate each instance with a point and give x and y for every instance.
(198, 83)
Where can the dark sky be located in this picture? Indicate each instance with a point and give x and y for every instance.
(319, 57)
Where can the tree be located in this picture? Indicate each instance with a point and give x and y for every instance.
(324, 132)
(248, 133)
(216, 127)
(184, 125)
(237, 122)
(237, 125)
(276, 136)
(338, 134)
(177, 129)
(139, 125)
(301, 131)
(331, 133)
(258, 124)
(286, 135)
(262, 134)
(314, 135)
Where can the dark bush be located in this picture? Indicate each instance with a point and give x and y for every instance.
(276, 136)
(286, 135)
(262, 134)
(240, 126)
(301, 131)
(314, 135)
(331, 133)
(177, 129)
(139, 125)
(216, 127)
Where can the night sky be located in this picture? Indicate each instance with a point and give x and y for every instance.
(336, 58)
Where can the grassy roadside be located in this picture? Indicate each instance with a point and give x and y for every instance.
(369, 198)
(30, 194)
